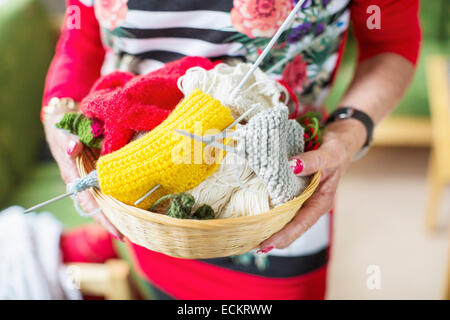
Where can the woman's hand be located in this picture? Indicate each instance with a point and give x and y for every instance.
(341, 141)
(377, 86)
(65, 147)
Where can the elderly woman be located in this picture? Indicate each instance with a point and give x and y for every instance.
(140, 36)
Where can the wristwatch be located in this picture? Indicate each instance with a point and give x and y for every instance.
(343, 113)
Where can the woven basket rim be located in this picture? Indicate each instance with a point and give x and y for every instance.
(86, 163)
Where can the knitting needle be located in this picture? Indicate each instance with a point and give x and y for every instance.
(235, 122)
(242, 116)
(201, 139)
(269, 46)
(205, 139)
(45, 203)
(258, 61)
(147, 194)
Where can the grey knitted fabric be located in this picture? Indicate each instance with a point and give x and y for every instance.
(295, 140)
(267, 141)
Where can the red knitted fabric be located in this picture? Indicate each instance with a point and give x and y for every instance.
(127, 103)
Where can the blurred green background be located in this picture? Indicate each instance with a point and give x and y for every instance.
(435, 18)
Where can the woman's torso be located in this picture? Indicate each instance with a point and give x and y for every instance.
(142, 35)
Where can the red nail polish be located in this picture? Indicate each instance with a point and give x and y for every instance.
(71, 147)
(298, 167)
(266, 250)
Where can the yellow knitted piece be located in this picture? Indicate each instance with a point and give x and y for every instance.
(129, 173)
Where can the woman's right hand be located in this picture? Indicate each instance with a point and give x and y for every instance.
(64, 148)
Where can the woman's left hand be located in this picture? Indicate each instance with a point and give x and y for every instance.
(341, 141)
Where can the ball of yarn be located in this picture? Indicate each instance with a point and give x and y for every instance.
(180, 206)
(204, 212)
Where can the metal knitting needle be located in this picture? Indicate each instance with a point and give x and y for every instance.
(147, 194)
(45, 203)
(269, 46)
(235, 122)
(242, 116)
(256, 64)
(205, 139)
(201, 139)
(260, 59)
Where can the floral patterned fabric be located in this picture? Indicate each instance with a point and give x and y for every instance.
(304, 58)
(307, 53)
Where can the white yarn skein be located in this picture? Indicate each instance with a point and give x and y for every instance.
(249, 201)
(217, 189)
(220, 81)
(226, 196)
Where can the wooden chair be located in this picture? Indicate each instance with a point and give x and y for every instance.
(110, 280)
(403, 131)
(438, 73)
(447, 283)
(439, 163)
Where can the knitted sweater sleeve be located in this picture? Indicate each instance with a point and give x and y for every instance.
(398, 27)
(79, 54)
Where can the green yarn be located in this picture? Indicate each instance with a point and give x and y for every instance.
(180, 207)
(205, 212)
(80, 125)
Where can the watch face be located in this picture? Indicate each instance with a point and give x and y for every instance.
(348, 112)
(345, 113)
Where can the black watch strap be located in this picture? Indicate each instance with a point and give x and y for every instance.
(342, 113)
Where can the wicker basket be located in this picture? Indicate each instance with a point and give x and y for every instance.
(193, 239)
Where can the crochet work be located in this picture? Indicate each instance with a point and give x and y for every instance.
(128, 103)
(223, 79)
(78, 124)
(129, 173)
(267, 142)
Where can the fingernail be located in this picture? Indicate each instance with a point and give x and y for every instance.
(298, 167)
(71, 147)
(264, 251)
